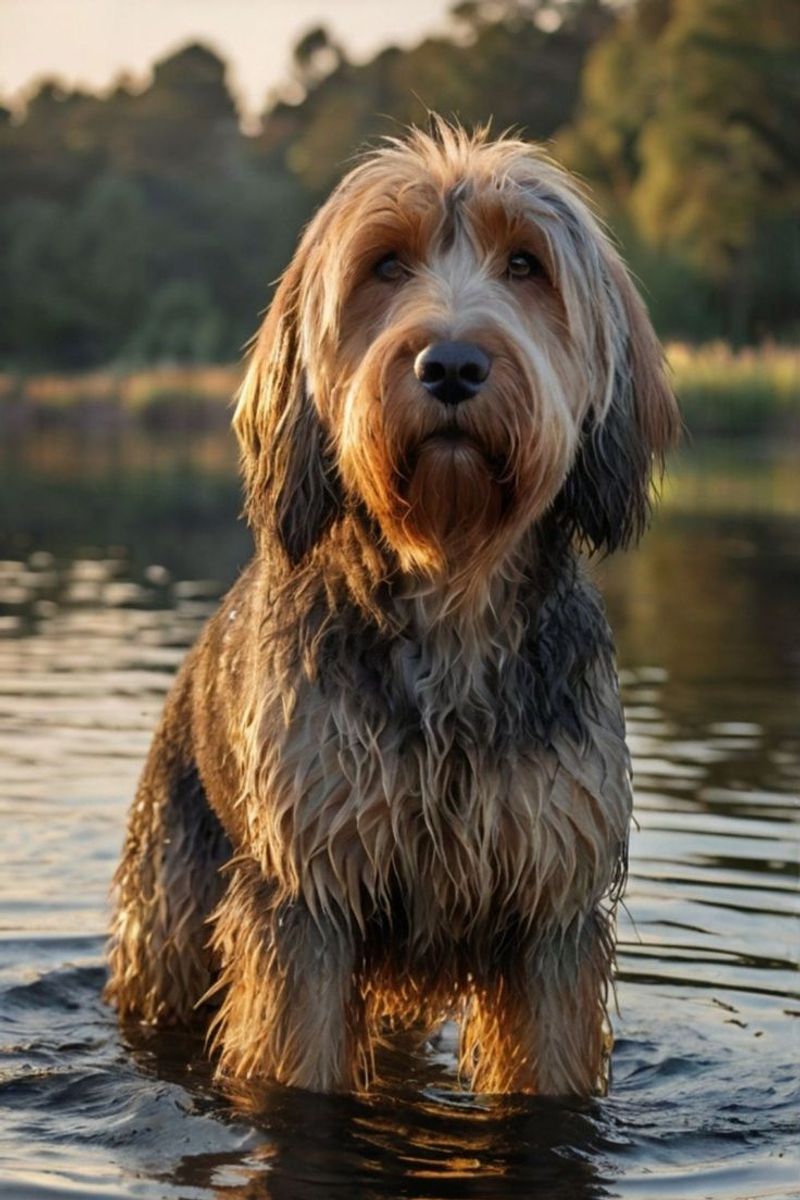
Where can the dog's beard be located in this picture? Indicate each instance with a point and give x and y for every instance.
(454, 495)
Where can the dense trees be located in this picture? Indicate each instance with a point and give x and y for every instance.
(147, 226)
(139, 227)
(688, 123)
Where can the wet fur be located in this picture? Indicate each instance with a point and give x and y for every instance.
(391, 784)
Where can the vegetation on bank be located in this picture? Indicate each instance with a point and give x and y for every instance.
(145, 226)
(749, 391)
(752, 391)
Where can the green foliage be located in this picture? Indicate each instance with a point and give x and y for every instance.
(688, 123)
(498, 64)
(138, 228)
(182, 324)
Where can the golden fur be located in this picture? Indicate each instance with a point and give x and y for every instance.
(401, 739)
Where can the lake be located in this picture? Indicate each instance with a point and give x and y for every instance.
(114, 550)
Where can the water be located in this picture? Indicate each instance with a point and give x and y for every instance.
(112, 556)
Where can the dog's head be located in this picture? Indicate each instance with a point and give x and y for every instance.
(457, 349)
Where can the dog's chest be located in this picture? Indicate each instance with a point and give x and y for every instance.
(431, 778)
(425, 733)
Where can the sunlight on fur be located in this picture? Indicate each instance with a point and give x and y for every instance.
(391, 785)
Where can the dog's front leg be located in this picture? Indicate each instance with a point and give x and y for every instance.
(292, 1008)
(541, 1027)
(570, 976)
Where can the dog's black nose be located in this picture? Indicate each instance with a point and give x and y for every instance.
(452, 371)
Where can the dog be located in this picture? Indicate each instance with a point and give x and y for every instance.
(390, 785)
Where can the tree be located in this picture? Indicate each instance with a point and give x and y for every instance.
(499, 61)
(686, 123)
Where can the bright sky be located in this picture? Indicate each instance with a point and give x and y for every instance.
(90, 42)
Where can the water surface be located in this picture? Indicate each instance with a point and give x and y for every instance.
(111, 556)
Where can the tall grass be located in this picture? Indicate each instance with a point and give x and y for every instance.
(725, 391)
(164, 396)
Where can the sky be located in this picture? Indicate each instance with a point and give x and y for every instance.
(89, 42)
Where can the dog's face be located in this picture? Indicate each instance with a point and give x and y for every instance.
(457, 347)
(450, 379)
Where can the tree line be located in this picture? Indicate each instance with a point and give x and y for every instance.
(147, 225)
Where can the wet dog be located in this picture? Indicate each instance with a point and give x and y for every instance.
(390, 784)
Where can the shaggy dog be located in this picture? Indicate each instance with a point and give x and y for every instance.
(390, 784)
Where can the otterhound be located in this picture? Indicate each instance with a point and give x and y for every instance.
(390, 784)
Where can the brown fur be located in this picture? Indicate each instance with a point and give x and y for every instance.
(391, 783)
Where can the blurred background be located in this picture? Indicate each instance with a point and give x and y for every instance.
(157, 160)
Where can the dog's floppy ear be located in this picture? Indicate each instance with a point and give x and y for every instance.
(292, 492)
(605, 502)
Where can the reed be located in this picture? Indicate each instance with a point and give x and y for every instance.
(755, 390)
(164, 396)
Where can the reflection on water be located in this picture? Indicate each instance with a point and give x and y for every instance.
(110, 559)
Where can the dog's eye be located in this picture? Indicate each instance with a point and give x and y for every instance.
(390, 269)
(522, 265)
